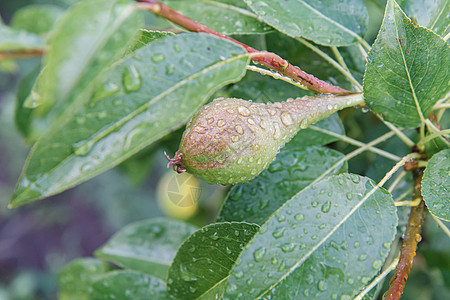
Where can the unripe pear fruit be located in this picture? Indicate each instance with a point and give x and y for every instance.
(233, 140)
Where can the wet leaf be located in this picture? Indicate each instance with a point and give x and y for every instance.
(147, 246)
(202, 264)
(142, 99)
(227, 17)
(432, 14)
(88, 38)
(291, 172)
(436, 185)
(75, 279)
(325, 22)
(128, 285)
(17, 40)
(407, 70)
(326, 242)
(36, 19)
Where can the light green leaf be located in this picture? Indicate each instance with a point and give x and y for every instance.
(432, 14)
(17, 40)
(325, 22)
(407, 70)
(436, 185)
(88, 38)
(292, 171)
(36, 19)
(227, 17)
(75, 279)
(146, 246)
(205, 259)
(128, 285)
(22, 114)
(326, 242)
(141, 100)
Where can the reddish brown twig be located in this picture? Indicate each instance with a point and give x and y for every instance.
(410, 241)
(267, 59)
(21, 54)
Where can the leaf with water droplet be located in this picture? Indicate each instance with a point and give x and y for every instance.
(342, 23)
(128, 285)
(227, 17)
(216, 247)
(292, 171)
(144, 116)
(413, 72)
(322, 252)
(436, 185)
(147, 246)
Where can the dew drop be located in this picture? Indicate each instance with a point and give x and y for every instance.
(170, 69)
(322, 286)
(234, 138)
(304, 124)
(299, 217)
(221, 123)
(377, 264)
(244, 111)
(259, 253)
(314, 203)
(214, 237)
(239, 129)
(356, 244)
(362, 257)
(192, 289)
(349, 196)
(158, 57)
(279, 232)
(286, 119)
(82, 148)
(251, 121)
(33, 100)
(350, 281)
(326, 207)
(103, 91)
(131, 79)
(288, 247)
(209, 121)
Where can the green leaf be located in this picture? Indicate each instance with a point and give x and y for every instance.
(432, 14)
(75, 279)
(147, 246)
(407, 70)
(291, 172)
(128, 285)
(36, 19)
(148, 36)
(325, 22)
(327, 242)
(227, 17)
(205, 259)
(18, 40)
(141, 100)
(22, 116)
(436, 185)
(88, 38)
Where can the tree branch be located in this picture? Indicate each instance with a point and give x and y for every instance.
(267, 59)
(21, 54)
(410, 241)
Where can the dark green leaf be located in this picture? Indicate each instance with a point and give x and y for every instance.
(37, 19)
(326, 242)
(205, 259)
(147, 246)
(432, 14)
(128, 285)
(407, 70)
(148, 36)
(141, 100)
(436, 185)
(325, 22)
(227, 17)
(17, 40)
(292, 171)
(75, 279)
(88, 38)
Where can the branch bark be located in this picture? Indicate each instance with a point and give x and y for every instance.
(21, 54)
(410, 241)
(268, 59)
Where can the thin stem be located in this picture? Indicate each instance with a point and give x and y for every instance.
(432, 127)
(339, 57)
(4, 55)
(410, 241)
(447, 36)
(442, 225)
(377, 279)
(397, 181)
(363, 52)
(267, 59)
(365, 44)
(354, 153)
(276, 76)
(408, 203)
(440, 106)
(435, 135)
(331, 61)
(398, 165)
(398, 132)
(354, 142)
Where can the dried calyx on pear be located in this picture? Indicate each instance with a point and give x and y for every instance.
(233, 140)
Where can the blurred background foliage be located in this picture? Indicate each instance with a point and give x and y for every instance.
(38, 239)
